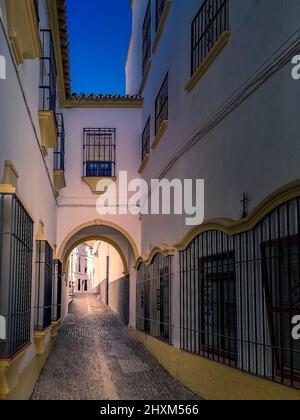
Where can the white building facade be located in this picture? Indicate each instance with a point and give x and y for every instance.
(210, 95)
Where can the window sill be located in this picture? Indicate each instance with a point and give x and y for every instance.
(161, 26)
(212, 55)
(49, 137)
(145, 76)
(59, 179)
(144, 163)
(93, 181)
(23, 30)
(159, 134)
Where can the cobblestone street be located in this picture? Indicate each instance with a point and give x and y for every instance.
(96, 358)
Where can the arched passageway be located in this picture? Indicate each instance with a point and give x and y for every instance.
(114, 259)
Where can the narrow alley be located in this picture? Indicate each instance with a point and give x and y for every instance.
(95, 358)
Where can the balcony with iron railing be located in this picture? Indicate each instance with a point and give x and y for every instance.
(48, 96)
(59, 155)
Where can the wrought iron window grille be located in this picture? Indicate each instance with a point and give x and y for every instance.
(16, 250)
(99, 152)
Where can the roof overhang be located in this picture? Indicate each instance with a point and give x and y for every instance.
(58, 21)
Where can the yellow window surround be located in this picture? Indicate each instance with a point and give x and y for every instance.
(23, 29)
(145, 76)
(93, 183)
(159, 134)
(144, 163)
(59, 179)
(208, 61)
(49, 137)
(161, 25)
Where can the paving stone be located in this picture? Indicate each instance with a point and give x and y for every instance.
(96, 358)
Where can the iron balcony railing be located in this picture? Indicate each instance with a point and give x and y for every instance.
(162, 105)
(48, 73)
(146, 139)
(154, 298)
(59, 151)
(239, 294)
(99, 152)
(160, 7)
(147, 38)
(210, 23)
(16, 249)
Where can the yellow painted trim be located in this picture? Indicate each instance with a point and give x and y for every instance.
(40, 341)
(55, 328)
(10, 174)
(144, 163)
(59, 179)
(102, 103)
(9, 373)
(102, 238)
(49, 138)
(159, 134)
(165, 250)
(161, 25)
(23, 29)
(7, 189)
(53, 20)
(229, 226)
(212, 55)
(233, 227)
(210, 380)
(29, 376)
(145, 76)
(92, 182)
(98, 222)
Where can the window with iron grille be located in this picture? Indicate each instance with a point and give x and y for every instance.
(147, 37)
(146, 139)
(59, 151)
(57, 290)
(239, 294)
(154, 298)
(210, 23)
(43, 285)
(162, 105)
(16, 249)
(99, 152)
(48, 73)
(160, 7)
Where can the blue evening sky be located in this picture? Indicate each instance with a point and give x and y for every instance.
(99, 33)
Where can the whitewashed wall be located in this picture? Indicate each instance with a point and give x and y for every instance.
(255, 148)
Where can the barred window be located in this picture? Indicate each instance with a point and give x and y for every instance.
(146, 139)
(210, 23)
(48, 73)
(16, 249)
(59, 151)
(147, 37)
(281, 276)
(162, 105)
(57, 291)
(99, 152)
(239, 294)
(154, 298)
(43, 285)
